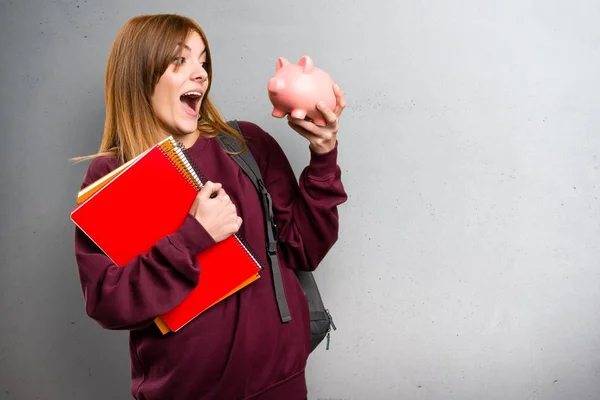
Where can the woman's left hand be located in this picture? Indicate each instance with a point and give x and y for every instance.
(322, 138)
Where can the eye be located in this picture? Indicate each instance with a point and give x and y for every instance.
(204, 65)
(178, 60)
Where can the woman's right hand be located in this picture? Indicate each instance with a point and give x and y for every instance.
(216, 213)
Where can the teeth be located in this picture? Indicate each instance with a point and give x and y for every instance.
(193, 94)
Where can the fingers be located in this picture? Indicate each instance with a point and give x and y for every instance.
(339, 100)
(230, 205)
(215, 191)
(296, 128)
(330, 117)
(311, 131)
(300, 123)
(208, 189)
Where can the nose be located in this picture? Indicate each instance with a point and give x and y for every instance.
(199, 74)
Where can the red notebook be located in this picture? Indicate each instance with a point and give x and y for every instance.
(130, 209)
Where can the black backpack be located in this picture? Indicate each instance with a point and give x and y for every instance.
(321, 322)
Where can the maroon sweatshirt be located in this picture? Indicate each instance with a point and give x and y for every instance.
(237, 349)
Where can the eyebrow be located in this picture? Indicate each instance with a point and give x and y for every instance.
(185, 46)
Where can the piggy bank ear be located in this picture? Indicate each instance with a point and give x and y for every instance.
(307, 64)
(281, 62)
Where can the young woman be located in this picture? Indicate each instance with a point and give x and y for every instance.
(157, 83)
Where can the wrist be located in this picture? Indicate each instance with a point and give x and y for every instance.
(323, 147)
(323, 166)
(192, 237)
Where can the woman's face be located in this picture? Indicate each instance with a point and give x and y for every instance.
(178, 94)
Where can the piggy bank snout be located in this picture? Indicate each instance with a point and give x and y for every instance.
(275, 85)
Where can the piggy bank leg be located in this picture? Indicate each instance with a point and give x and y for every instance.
(277, 113)
(297, 113)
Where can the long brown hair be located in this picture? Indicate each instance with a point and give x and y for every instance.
(139, 56)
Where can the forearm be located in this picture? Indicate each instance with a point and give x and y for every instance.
(123, 297)
(309, 223)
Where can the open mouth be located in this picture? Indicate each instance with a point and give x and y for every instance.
(190, 101)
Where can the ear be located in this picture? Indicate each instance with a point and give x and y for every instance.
(281, 62)
(307, 64)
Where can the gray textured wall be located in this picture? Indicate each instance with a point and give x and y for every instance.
(468, 260)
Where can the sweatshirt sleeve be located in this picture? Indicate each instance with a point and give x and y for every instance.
(131, 296)
(305, 209)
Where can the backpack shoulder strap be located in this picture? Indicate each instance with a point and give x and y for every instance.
(248, 164)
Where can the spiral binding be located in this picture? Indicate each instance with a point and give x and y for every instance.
(171, 149)
(250, 251)
(191, 168)
(185, 153)
(181, 158)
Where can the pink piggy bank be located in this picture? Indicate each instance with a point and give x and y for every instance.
(295, 89)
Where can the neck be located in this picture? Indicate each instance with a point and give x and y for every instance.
(187, 139)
